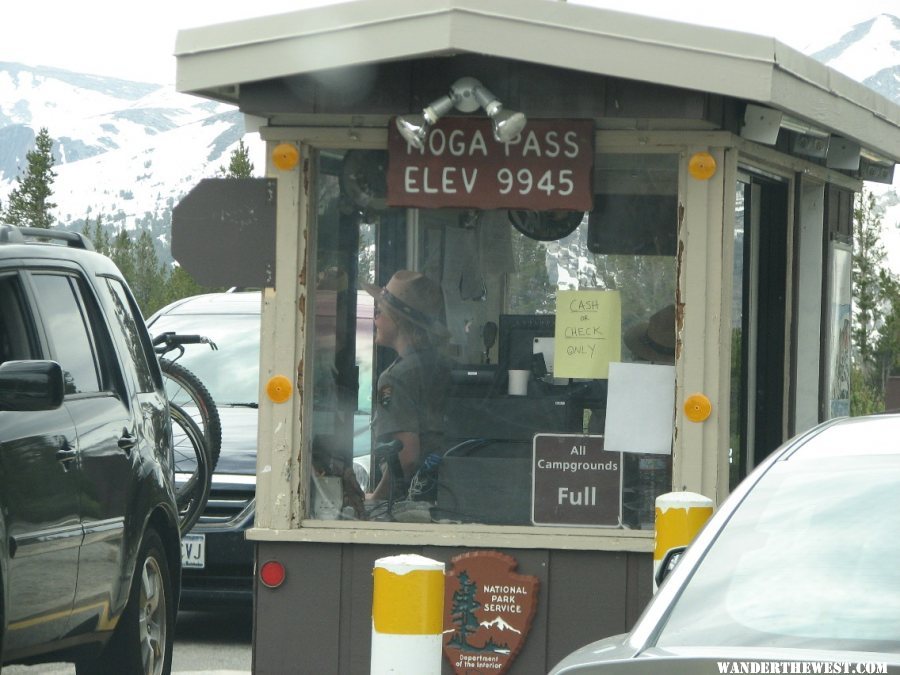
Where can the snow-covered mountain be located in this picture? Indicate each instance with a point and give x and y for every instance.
(499, 624)
(125, 151)
(870, 53)
(128, 151)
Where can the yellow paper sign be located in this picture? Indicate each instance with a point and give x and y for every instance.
(588, 333)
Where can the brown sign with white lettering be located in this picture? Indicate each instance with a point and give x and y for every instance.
(576, 481)
(488, 610)
(546, 167)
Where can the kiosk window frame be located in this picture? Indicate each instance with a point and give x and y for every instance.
(624, 539)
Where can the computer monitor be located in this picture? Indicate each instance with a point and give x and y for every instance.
(516, 339)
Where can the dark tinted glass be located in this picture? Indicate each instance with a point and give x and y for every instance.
(67, 327)
(15, 328)
(125, 319)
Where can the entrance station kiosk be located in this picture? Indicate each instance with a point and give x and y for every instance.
(641, 233)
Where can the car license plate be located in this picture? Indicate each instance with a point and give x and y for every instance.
(193, 551)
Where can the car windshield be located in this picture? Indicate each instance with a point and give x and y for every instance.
(231, 372)
(809, 560)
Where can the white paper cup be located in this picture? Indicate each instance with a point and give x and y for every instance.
(518, 382)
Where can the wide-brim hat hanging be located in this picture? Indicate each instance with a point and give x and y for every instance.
(654, 339)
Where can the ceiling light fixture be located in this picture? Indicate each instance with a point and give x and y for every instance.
(466, 95)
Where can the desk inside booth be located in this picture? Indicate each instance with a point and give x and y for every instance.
(486, 474)
(491, 469)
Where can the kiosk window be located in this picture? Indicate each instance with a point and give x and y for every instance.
(486, 400)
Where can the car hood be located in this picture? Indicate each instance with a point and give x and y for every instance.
(614, 656)
(238, 455)
(612, 649)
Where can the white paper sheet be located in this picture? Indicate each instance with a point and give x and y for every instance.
(640, 408)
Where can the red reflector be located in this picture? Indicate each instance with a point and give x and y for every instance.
(271, 574)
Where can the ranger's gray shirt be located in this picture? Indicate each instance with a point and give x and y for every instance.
(411, 397)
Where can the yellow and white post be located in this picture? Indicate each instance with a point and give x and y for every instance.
(679, 517)
(407, 615)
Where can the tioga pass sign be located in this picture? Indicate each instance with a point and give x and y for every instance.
(546, 167)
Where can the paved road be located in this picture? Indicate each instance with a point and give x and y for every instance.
(213, 641)
(206, 643)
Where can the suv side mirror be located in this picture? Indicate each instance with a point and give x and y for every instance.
(673, 555)
(31, 385)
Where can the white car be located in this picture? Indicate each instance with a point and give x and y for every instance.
(799, 564)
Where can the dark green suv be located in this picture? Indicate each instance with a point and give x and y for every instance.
(90, 559)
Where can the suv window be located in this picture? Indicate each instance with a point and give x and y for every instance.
(140, 350)
(16, 338)
(65, 323)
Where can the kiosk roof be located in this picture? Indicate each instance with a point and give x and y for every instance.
(214, 61)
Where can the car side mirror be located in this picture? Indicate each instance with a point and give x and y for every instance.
(31, 385)
(673, 555)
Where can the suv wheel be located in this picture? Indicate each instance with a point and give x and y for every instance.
(143, 640)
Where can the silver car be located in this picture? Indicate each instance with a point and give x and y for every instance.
(798, 571)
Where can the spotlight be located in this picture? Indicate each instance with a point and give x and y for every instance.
(466, 94)
(507, 124)
(414, 128)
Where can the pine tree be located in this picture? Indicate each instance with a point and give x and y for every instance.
(148, 280)
(153, 285)
(876, 304)
(98, 235)
(867, 280)
(29, 202)
(887, 351)
(180, 284)
(462, 611)
(121, 250)
(240, 165)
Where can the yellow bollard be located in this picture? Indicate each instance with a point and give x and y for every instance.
(407, 615)
(679, 517)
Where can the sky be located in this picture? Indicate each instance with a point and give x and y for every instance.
(135, 41)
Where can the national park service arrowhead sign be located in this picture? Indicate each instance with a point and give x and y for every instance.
(488, 610)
